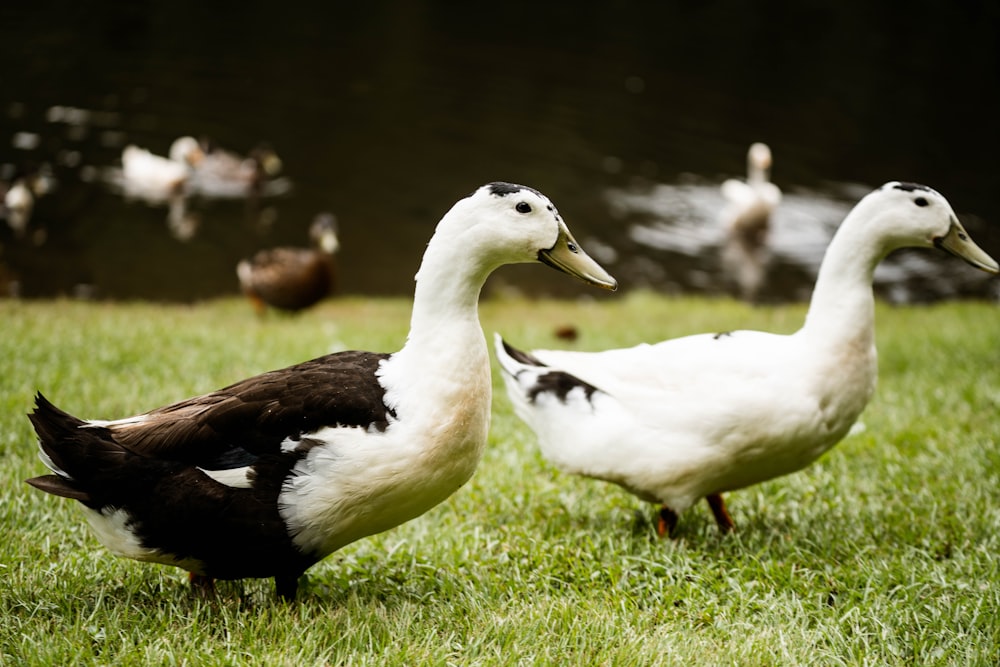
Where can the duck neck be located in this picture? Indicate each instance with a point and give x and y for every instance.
(446, 299)
(445, 352)
(842, 308)
(757, 175)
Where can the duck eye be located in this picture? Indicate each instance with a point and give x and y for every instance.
(920, 201)
(523, 207)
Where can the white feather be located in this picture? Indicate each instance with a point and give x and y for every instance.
(113, 528)
(235, 478)
(127, 421)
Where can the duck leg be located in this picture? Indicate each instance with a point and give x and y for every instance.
(201, 584)
(718, 506)
(286, 586)
(259, 306)
(666, 522)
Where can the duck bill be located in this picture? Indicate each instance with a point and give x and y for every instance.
(567, 256)
(958, 243)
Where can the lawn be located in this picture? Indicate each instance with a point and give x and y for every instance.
(885, 552)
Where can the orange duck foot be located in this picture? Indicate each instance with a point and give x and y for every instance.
(666, 522)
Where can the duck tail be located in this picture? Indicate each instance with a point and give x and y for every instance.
(513, 360)
(527, 378)
(72, 449)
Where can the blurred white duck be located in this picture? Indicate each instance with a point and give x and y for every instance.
(746, 220)
(272, 474)
(18, 203)
(157, 178)
(697, 416)
(293, 279)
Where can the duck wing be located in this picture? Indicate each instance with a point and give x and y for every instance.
(236, 425)
(677, 369)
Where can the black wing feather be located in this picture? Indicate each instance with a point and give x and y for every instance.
(235, 425)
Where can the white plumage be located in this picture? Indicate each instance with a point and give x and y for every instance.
(157, 178)
(746, 220)
(697, 416)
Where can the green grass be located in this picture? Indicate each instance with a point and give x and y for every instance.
(884, 552)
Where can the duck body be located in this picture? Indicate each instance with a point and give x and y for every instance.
(223, 174)
(154, 177)
(269, 475)
(746, 220)
(706, 424)
(18, 202)
(701, 415)
(292, 279)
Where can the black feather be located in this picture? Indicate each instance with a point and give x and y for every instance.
(84, 453)
(237, 424)
(558, 383)
(520, 356)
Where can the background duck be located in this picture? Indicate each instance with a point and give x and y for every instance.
(157, 178)
(268, 476)
(697, 416)
(293, 279)
(19, 190)
(17, 202)
(223, 174)
(746, 220)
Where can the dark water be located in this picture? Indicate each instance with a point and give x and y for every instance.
(627, 114)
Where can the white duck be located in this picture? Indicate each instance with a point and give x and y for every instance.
(157, 178)
(16, 204)
(746, 220)
(697, 416)
(268, 476)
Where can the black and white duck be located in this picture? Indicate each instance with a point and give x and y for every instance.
(268, 476)
(698, 416)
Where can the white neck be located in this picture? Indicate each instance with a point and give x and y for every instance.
(842, 308)
(445, 352)
(757, 174)
(446, 298)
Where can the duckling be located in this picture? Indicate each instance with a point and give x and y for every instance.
(698, 416)
(270, 475)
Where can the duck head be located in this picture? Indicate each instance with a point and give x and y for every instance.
(323, 232)
(504, 223)
(920, 216)
(187, 151)
(759, 163)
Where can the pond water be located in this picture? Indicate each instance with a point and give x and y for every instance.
(628, 115)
